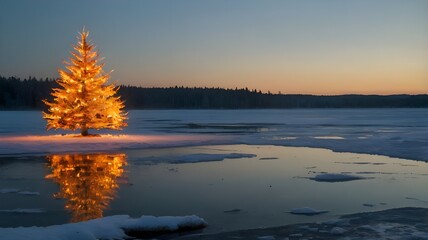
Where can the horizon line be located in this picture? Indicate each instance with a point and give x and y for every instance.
(259, 91)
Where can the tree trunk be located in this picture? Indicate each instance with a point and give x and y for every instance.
(84, 131)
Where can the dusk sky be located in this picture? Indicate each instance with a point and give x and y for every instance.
(299, 46)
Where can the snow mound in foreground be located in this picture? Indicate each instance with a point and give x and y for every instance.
(113, 227)
(307, 211)
(335, 177)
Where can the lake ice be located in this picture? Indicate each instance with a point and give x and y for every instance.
(151, 182)
(237, 169)
(391, 132)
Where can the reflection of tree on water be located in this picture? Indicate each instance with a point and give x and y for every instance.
(88, 182)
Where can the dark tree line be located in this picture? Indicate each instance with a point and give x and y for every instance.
(28, 93)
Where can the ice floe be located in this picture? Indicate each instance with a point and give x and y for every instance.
(329, 137)
(307, 211)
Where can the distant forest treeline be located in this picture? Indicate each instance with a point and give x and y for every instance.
(28, 93)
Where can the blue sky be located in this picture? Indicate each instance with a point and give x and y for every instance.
(300, 46)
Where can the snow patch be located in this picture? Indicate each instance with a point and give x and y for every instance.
(329, 137)
(307, 211)
(113, 227)
(397, 231)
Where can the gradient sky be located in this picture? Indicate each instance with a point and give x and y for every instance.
(295, 46)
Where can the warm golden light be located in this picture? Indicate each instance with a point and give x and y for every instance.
(88, 182)
(85, 101)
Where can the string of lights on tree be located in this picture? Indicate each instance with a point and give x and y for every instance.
(84, 100)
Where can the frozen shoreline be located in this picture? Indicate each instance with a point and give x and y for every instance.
(397, 223)
(45, 144)
(400, 133)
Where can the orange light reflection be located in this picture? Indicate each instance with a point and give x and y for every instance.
(88, 182)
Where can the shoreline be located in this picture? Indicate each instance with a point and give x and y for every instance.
(35, 145)
(395, 223)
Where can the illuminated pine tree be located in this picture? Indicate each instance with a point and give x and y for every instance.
(85, 101)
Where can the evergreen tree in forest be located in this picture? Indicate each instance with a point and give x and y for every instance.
(84, 100)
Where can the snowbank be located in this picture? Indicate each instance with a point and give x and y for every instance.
(113, 227)
(394, 224)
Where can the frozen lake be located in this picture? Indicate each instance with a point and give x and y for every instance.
(258, 188)
(392, 132)
(238, 169)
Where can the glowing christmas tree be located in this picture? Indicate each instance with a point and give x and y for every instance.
(85, 101)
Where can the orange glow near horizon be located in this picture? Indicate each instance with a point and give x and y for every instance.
(293, 47)
(381, 79)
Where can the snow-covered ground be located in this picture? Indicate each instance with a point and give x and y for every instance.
(112, 227)
(392, 224)
(391, 132)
